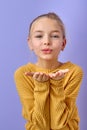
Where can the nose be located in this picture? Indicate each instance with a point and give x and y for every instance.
(46, 40)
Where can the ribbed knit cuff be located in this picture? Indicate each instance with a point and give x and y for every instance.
(57, 88)
(57, 83)
(41, 86)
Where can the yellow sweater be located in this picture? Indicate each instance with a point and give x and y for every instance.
(49, 105)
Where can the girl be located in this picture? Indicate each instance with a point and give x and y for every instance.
(48, 89)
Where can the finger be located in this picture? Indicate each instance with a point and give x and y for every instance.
(65, 70)
(62, 72)
(36, 75)
(29, 73)
(41, 77)
(50, 75)
(45, 77)
(59, 73)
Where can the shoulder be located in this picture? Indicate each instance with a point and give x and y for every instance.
(72, 66)
(22, 69)
(75, 69)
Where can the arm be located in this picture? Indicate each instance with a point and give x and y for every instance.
(63, 94)
(34, 96)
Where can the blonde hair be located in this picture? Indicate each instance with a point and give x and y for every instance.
(53, 16)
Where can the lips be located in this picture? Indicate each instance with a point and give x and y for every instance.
(47, 50)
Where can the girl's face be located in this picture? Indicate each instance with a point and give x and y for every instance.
(46, 39)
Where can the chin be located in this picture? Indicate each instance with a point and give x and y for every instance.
(48, 58)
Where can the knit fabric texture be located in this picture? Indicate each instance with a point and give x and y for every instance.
(49, 105)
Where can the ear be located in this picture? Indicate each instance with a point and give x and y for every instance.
(30, 43)
(63, 44)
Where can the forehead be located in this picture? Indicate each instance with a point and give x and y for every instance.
(45, 23)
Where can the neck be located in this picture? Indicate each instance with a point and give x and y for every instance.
(48, 64)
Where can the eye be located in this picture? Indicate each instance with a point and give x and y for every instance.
(55, 36)
(38, 36)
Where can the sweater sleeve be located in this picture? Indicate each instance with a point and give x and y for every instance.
(63, 94)
(34, 97)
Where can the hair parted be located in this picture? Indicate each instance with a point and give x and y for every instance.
(50, 15)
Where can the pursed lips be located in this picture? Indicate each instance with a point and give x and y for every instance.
(47, 50)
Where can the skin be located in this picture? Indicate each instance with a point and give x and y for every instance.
(46, 40)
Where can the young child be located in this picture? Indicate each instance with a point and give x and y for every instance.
(49, 88)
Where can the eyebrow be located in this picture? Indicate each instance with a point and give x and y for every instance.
(56, 31)
(39, 31)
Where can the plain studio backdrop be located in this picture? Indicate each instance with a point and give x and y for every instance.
(15, 17)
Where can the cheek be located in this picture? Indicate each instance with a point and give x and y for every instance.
(34, 45)
(57, 49)
(58, 46)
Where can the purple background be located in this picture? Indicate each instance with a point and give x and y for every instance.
(15, 16)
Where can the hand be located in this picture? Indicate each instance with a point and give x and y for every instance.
(42, 77)
(59, 74)
(39, 76)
